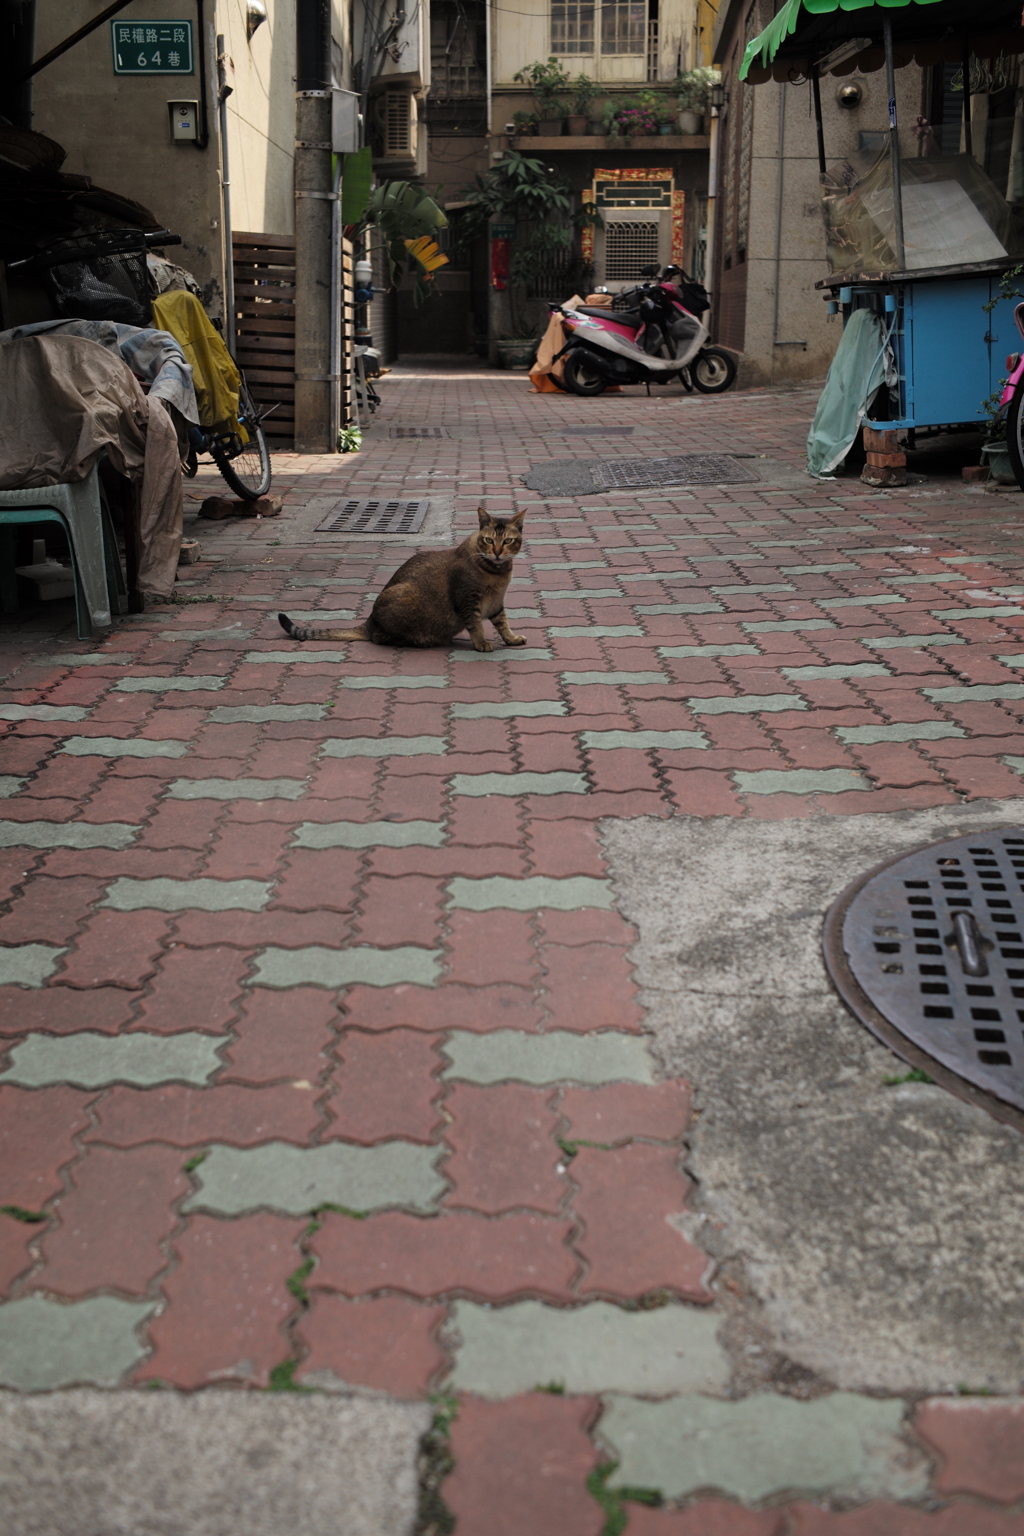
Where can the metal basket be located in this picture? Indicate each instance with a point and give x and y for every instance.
(99, 276)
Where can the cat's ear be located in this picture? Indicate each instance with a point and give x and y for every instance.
(484, 517)
(517, 521)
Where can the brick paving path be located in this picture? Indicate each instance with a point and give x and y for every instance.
(325, 1062)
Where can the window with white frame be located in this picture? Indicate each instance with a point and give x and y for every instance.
(624, 26)
(572, 26)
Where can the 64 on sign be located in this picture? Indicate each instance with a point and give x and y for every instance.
(152, 47)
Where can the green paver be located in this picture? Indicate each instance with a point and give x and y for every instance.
(946, 577)
(501, 653)
(1011, 661)
(394, 682)
(561, 1055)
(259, 714)
(817, 570)
(570, 565)
(554, 783)
(838, 669)
(634, 679)
(841, 1445)
(602, 741)
(116, 746)
(677, 608)
(42, 712)
(68, 834)
(1016, 763)
(975, 613)
(28, 965)
(297, 1179)
(507, 711)
(800, 781)
(10, 785)
(596, 1348)
(595, 631)
(979, 693)
(708, 650)
(657, 576)
(165, 895)
(236, 789)
(299, 654)
(369, 834)
(316, 615)
(91, 1060)
(569, 893)
(228, 632)
(580, 597)
(780, 543)
(168, 684)
(88, 659)
(320, 967)
(925, 730)
(1009, 591)
(384, 746)
(740, 588)
(782, 626)
(892, 642)
(46, 1344)
(747, 704)
(876, 600)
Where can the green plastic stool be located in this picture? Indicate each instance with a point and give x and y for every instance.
(81, 510)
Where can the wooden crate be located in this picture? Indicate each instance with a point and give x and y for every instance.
(265, 326)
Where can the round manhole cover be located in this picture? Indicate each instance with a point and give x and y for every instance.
(928, 951)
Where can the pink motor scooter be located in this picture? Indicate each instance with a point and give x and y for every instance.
(658, 337)
(1011, 402)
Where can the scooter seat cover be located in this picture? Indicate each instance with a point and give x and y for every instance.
(620, 316)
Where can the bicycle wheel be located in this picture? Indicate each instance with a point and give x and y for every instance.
(245, 466)
(581, 377)
(1015, 434)
(712, 371)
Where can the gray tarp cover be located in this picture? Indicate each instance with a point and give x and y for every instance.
(65, 400)
(862, 362)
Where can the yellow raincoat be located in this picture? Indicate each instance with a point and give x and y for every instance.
(214, 374)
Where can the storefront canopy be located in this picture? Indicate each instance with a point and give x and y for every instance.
(806, 33)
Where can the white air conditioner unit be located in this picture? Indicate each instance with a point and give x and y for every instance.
(400, 124)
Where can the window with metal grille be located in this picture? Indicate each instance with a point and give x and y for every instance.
(457, 47)
(628, 247)
(572, 26)
(624, 26)
(399, 124)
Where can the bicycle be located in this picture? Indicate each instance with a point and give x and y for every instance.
(103, 276)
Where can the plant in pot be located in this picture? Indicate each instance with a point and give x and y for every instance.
(548, 82)
(584, 93)
(524, 124)
(693, 92)
(609, 119)
(637, 118)
(665, 117)
(996, 454)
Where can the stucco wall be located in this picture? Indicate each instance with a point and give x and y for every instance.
(261, 116)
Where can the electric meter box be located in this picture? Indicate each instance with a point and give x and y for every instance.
(184, 119)
(345, 120)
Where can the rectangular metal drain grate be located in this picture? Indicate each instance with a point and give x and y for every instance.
(418, 432)
(374, 515)
(680, 469)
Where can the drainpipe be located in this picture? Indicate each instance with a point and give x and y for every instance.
(223, 92)
(315, 199)
(894, 143)
(709, 249)
(778, 230)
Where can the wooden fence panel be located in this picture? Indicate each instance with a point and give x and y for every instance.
(265, 326)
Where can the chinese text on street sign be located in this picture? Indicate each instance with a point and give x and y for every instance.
(152, 47)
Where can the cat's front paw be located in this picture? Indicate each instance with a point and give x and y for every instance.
(482, 645)
(515, 639)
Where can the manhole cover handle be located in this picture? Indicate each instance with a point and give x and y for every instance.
(967, 938)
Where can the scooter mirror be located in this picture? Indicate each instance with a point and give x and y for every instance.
(648, 271)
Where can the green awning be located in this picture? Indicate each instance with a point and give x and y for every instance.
(768, 43)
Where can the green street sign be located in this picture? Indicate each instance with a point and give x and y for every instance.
(152, 47)
(503, 231)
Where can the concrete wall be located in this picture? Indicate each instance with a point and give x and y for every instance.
(261, 116)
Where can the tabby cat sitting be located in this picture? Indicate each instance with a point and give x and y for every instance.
(438, 593)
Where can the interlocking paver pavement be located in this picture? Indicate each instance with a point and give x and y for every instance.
(325, 1048)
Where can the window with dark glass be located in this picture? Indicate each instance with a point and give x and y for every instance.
(572, 27)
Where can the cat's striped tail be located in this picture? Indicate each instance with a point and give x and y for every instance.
(304, 632)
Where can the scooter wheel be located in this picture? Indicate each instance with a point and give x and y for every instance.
(582, 377)
(1015, 435)
(712, 371)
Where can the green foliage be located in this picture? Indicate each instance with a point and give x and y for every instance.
(916, 1075)
(547, 81)
(403, 212)
(356, 180)
(692, 88)
(612, 1500)
(350, 440)
(524, 123)
(556, 1388)
(995, 416)
(296, 1281)
(196, 1159)
(282, 1378)
(584, 93)
(19, 1213)
(435, 1463)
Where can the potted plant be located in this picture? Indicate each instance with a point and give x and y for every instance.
(693, 91)
(517, 352)
(609, 120)
(524, 124)
(995, 453)
(548, 82)
(584, 93)
(636, 118)
(666, 119)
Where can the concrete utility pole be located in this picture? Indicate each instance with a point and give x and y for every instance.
(313, 196)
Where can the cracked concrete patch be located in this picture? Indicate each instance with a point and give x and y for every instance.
(369, 834)
(92, 1060)
(558, 1056)
(320, 967)
(877, 1227)
(66, 834)
(206, 1463)
(236, 789)
(595, 1348)
(297, 1179)
(27, 965)
(570, 893)
(116, 746)
(126, 895)
(840, 1446)
(46, 1344)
